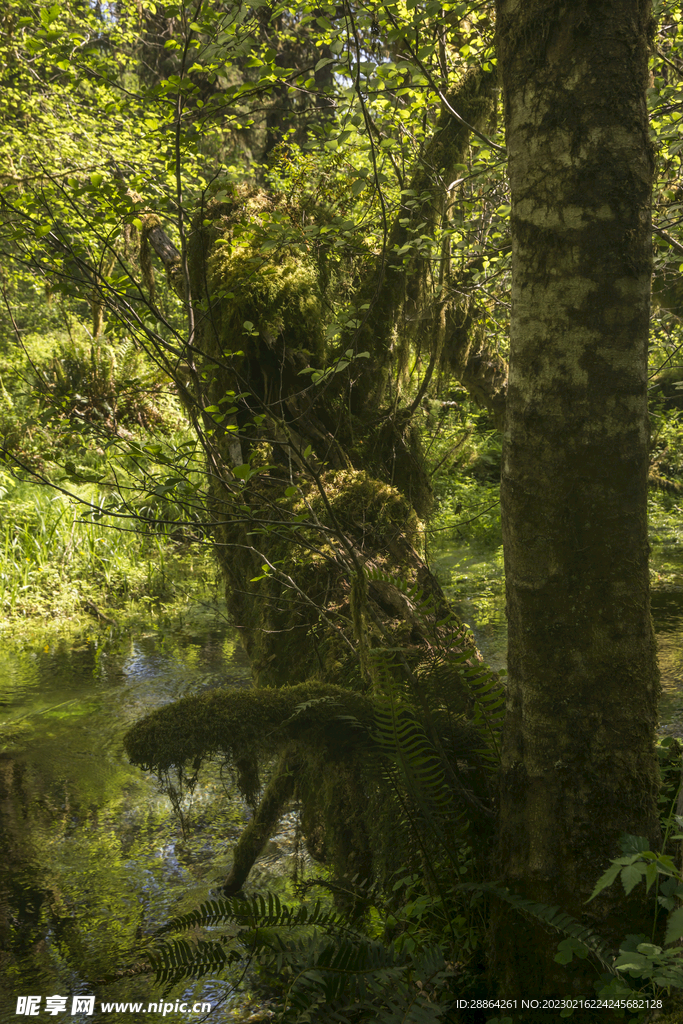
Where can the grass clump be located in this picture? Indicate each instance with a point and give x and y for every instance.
(54, 564)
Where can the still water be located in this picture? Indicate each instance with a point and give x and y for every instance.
(91, 857)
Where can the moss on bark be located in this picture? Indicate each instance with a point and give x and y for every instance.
(317, 492)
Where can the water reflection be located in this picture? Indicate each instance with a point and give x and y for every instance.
(91, 857)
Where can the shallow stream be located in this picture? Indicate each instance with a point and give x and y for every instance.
(91, 855)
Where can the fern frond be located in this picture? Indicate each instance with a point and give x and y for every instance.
(344, 979)
(489, 709)
(254, 911)
(177, 959)
(402, 738)
(551, 917)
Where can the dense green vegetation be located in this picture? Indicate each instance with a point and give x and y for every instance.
(255, 312)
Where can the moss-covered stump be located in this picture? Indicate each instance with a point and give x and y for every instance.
(316, 531)
(306, 496)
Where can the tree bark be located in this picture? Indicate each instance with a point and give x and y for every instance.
(579, 766)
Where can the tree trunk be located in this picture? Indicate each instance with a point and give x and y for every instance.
(579, 766)
(317, 484)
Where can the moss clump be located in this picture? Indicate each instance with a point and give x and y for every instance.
(289, 638)
(373, 513)
(244, 269)
(242, 724)
(276, 291)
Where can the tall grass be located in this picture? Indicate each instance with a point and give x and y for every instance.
(53, 563)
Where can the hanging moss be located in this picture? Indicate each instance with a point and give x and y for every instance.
(280, 789)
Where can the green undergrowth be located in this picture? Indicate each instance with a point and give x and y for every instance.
(464, 537)
(468, 513)
(463, 452)
(665, 516)
(65, 394)
(57, 567)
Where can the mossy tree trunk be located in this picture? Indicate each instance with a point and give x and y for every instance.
(317, 485)
(579, 766)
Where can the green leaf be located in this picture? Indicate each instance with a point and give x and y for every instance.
(605, 880)
(49, 14)
(633, 844)
(651, 873)
(568, 948)
(632, 962)
(631, 875)
(649, 949)
(674, 927)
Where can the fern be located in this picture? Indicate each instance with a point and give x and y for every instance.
(489, 709)
(255, 910)
(348, 978)
(551, 917)
(402, 738)
(179, 959)
(333, 971)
